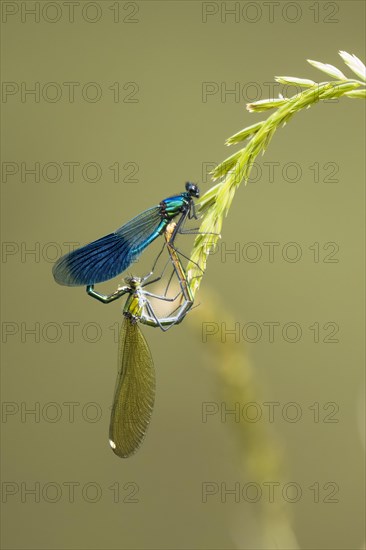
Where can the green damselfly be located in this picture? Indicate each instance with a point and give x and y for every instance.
(134, 394)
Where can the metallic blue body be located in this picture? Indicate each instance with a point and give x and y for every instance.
(112, 254)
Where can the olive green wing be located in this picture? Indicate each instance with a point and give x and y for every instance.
(134, 393)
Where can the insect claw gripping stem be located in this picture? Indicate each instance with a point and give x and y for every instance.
(112, 254)
(106, 258)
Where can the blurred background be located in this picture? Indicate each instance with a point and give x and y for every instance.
(256, 439)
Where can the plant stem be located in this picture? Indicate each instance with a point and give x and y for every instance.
(216, 202)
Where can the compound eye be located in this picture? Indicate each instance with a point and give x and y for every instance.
(192, 189)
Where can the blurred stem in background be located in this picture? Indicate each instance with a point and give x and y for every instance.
(215, 204)
(261, 457)
(260, 454)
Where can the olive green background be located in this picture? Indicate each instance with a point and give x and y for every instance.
(171, 131)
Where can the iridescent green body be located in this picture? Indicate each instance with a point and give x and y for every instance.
(134, 394)
(112, 254)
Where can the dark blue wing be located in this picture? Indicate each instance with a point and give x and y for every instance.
(107, 257)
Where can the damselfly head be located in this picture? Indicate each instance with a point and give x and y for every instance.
(133, 282)
(192, 189)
